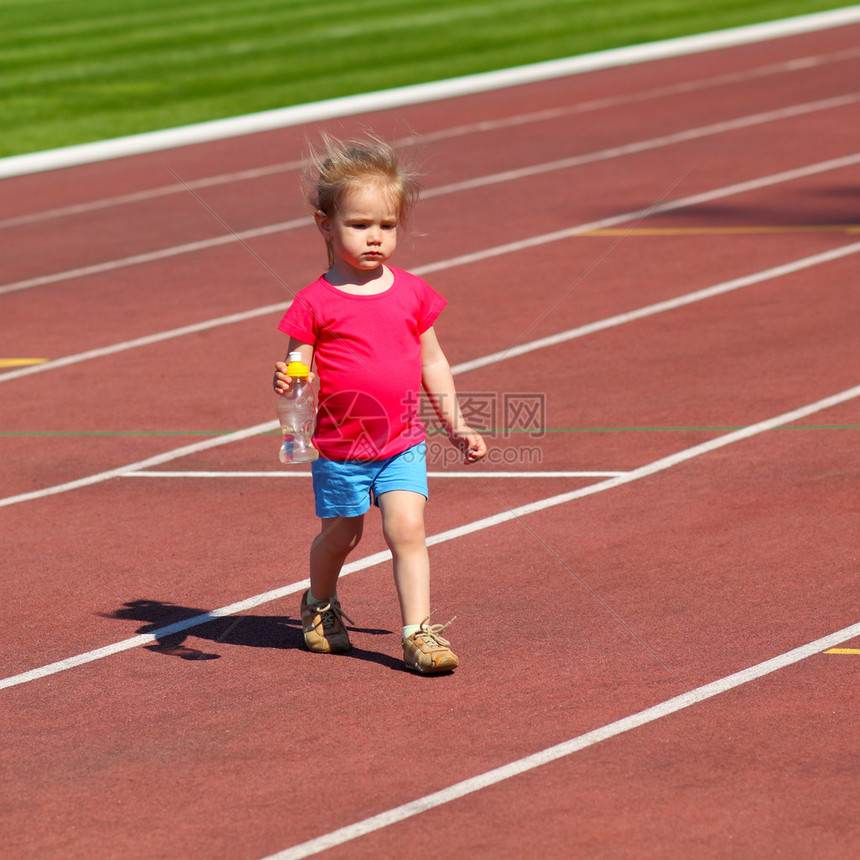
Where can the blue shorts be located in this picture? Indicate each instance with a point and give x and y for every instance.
(346, 488)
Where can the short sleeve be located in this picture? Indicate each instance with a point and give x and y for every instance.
(298, 321)
(431, 305)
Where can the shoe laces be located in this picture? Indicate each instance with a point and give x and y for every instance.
(331, 615)
(432, 632)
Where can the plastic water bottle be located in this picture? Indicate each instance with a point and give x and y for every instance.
(297, 412)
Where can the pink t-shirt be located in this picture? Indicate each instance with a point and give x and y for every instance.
(368, 360)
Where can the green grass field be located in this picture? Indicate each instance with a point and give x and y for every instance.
(72, 72)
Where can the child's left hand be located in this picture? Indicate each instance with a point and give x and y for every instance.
(471, 443)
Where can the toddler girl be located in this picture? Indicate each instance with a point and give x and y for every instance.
(369, 326)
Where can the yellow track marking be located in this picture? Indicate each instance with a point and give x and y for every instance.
(20, 362)
(722, 231)
(843, 651)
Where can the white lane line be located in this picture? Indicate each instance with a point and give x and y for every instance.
(509, 515)
(567, 748)
(151, 193)
(154, 256)
(456, 370)
(510, 248)
(147, 340)
(637, 214)
(637, 147)
(659, 307)
(269, 120)
(306, 474)
(464, 130)
(157, 460)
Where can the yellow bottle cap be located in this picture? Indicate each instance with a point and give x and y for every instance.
(296, 369)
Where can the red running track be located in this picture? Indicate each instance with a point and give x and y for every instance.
(674, 247)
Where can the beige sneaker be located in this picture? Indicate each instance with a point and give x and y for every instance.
(427, 652)
(323, 626)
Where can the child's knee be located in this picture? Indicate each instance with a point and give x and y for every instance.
(404, 528)
(340, 535)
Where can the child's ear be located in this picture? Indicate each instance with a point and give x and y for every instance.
(322, 222)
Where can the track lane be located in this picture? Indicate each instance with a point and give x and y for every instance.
(70, 407)
(617, 664)
(250, 803)
(268, 278)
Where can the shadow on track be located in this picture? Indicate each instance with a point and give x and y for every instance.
(252, 631)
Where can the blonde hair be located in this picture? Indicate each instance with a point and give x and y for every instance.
(339, 165)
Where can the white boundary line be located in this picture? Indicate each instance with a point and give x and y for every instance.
(552, 340)
(306, 474)
(637, 147)
(567, 748)
(421, 93)
(509, 515)
(478, 127)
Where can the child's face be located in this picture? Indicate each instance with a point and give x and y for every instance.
(363, 231)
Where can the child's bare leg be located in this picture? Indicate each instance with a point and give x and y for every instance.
(337, 538)
(403, 528)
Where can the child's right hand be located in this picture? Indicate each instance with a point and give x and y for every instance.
(281, 382)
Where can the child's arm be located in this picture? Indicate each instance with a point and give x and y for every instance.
(439, 385)
(281, 382)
